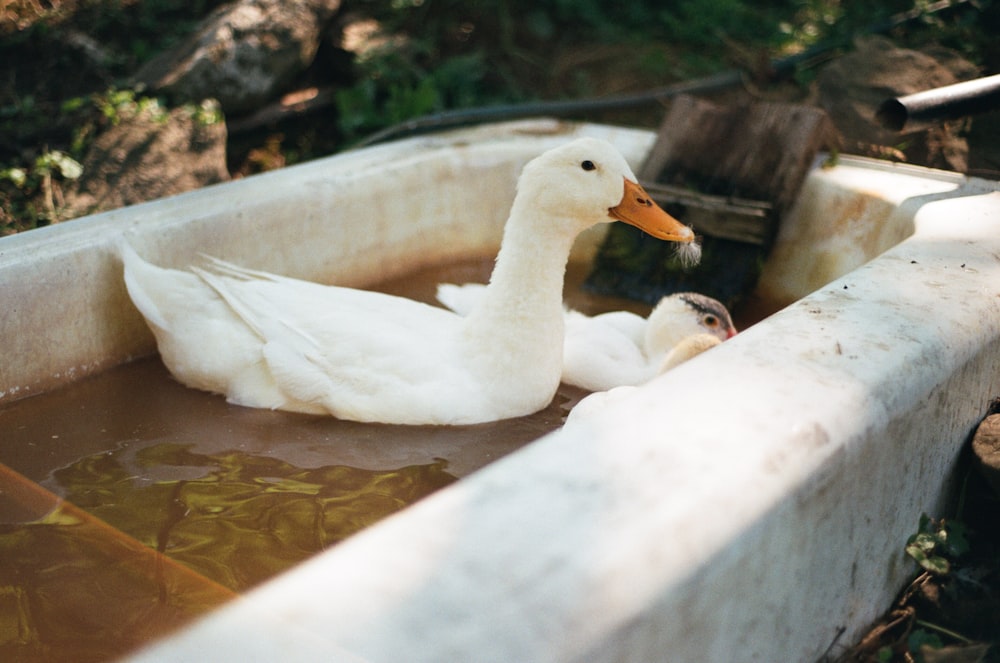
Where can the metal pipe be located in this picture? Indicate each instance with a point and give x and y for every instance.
(921, 110)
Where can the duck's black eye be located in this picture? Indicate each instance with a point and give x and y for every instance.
(588, 165)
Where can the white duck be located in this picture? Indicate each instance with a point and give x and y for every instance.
(619, 347)
(688, 348)
(270, 341)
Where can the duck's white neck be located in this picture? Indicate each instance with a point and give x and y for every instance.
(522, 308)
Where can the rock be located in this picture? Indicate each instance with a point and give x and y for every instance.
(852, 87)
(986, 449)
(150, 155)
(243, 54)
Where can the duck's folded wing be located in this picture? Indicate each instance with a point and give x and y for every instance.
(626, 323)
(599, 357)
(332, 346)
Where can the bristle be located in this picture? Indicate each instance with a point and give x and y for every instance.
(688, 254)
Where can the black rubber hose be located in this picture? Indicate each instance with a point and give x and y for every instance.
(777, 69)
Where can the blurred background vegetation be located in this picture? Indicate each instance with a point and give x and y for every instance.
(385, 61)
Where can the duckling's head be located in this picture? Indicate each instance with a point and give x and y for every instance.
(686, 314)
(589, 181)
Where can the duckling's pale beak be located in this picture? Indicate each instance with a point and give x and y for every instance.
(638, 209)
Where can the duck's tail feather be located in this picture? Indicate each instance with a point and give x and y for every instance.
(224, 268)
(138, 275)
(217, 282)
(267, 324)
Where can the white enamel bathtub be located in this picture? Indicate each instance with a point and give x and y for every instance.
(750, 505)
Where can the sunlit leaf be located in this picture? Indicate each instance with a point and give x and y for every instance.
(933, 563)
(16, 175)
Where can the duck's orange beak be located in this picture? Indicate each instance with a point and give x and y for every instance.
(638, 209)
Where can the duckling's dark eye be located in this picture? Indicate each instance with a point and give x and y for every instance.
(588, 165)
(711, 321)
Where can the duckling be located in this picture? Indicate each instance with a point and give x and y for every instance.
(619, 348)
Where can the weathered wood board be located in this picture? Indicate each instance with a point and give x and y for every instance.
(729, 172)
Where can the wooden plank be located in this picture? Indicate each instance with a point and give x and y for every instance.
(760, 151)
(720, 216)
(731, 172)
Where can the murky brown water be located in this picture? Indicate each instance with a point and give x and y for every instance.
(235, 495)
(130, 504)
(72, 588)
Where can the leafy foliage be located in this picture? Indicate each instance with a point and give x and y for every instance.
(30, 188)
(936, 544)
(434, 55)
(36, 183)
(946, 613)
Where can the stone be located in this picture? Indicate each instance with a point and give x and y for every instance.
(151, 154)
(852, 87)
(243, 54)
(986, 449)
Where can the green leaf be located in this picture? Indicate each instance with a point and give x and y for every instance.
(925, 523)
(923, 541)
(956, 541)
(920, 638)
(74, 104)
(56, 161)
(16, 175)
(933, 563)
